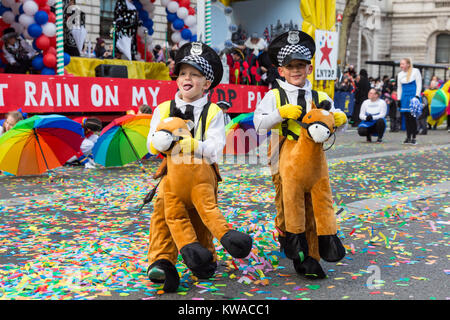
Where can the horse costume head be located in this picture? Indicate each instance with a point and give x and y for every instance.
(169, 132)
(318, 124)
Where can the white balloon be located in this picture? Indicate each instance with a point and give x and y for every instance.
(30, 8)
(182, 13)
(26, 20)
(8, 17)
(15, 8)
(49, 29)
(182, 42)
(190, 21)
(141, 31)
(51, 2)
(8, 3)
(193, 29)
(18, 27)
(164, 3)
(172, 6)
(27, 35)
(176, 37)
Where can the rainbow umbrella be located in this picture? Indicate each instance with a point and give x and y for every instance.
(123, 141)
(439, 104)
(241, 136)
(39, 143)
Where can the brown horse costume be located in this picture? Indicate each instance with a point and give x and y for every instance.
(309, 218)
(190, 204)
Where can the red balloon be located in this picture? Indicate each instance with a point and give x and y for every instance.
(184, 3)
(191, 11)
(51, 17)
(43, 42)
(53, 42)
(46, 8)
(41, 3)
(50, 50)
(50, 60)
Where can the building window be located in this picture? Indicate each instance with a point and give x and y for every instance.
(106, 17)
(443, 48)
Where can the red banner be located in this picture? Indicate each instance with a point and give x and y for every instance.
(65, 94)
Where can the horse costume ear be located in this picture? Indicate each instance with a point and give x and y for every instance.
(190, 124)
(313, 105)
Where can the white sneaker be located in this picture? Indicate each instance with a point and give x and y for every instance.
(90, 164)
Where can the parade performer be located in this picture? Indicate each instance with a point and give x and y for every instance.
(126, 18)
(185, 216)
(292, 53)
(17, 51)
(91, 127)
(74, 28)
(372, 114)
(409, 82)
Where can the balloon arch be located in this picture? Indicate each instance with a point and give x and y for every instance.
(35, 21)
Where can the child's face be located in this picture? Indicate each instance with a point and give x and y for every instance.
(296, 72)
(10, 122)
(191, 83)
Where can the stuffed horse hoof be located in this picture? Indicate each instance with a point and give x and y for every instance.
(294, 244)
(163, 271)
(309, 268)
(331, 248)
(237, 244)
(195, 255)
(206, 271)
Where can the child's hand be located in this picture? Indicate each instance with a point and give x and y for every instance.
(188, 144)
(290, 111)
(340, 118)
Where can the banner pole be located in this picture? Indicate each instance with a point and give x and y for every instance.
(59, 37)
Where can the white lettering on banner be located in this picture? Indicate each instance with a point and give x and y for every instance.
(2, 101)
(251, 98)
(97, 95)
(30, 91)
(139, 96)
(58, 95)
(154, 94)
(71, 97)
(46, 95)
(110, 97)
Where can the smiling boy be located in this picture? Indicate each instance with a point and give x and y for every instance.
(292, 53)
(199, 69)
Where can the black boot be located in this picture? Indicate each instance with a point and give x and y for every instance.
(196, 256)
(282, 241)
(331, 248)
(237, 244)
(163, 271)
(309, 268)
(295, 243)
(206, 271)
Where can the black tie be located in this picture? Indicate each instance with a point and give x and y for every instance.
(187, 115)
(301, 102)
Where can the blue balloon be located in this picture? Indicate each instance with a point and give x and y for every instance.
(137, 4)
(66, 58)
(194, 38)
(38, 62)
(178, 24)
(186, 34)
(150, 31)
(143, 15)
(48, 71)
(41, 17)
(21, 9)
(171, 17)
(148, 24)
(34, 30)
(3, 9)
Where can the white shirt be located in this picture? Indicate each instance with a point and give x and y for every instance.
(377, 109)
(215, 135)
(415, 76)
(267, 116)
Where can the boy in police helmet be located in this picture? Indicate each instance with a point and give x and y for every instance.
(198, 69)
(292, 53)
